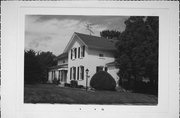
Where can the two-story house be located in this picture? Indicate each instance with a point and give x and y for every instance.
(85, 52)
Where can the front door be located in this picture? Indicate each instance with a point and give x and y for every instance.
(63, 75)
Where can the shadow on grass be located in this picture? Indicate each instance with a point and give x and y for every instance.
(49, 93)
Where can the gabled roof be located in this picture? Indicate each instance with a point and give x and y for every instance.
(112, 63)
(58, 67)
(96, 42)
(93, 42)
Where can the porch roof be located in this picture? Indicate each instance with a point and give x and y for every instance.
(65, 66)
(114, 63)
(63, 55)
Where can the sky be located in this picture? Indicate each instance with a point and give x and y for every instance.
(53, 32)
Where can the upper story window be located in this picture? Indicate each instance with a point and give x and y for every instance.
(78, 52)
(82, 51)
(73, 53)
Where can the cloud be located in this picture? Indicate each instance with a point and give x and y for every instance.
(52, 32)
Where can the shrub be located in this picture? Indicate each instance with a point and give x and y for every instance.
(67, 84)
(74, 83)
(102, 81)
(80, 86)
(56, 81)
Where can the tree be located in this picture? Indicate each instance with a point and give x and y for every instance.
(31, 68)
(45, 59)
(110, 34)
(137, 50)
(36, 66)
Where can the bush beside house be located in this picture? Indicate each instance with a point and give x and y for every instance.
(102, 81)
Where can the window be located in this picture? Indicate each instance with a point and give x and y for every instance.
(82, 51)
(99, 68)
(101, 55)
(73, 73)
(64, 61)
(82, 72)
(73, 53)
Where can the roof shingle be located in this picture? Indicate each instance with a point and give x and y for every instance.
(96, 42)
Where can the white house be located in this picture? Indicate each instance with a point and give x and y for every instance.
(81, 53)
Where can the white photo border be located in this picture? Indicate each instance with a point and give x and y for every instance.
(13, 30)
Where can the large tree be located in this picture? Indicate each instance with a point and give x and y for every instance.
(137, 49)
(32, 68)
(36, 66)
(46, 60)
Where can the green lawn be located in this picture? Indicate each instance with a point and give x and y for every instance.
(47, 93)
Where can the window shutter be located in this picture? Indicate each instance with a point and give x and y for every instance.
(83, 51)
(71, 53)
(70, 73)
(82, 70)
(75, 51)
(78, 74)
(79, 52)
(74, 73)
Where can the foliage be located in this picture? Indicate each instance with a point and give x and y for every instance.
(81, 87)
(56, 81)
(137, 50)
(45, 59)
(74, 83)
(67, 84)
(110, 34)
(102, 81)
(36, 66)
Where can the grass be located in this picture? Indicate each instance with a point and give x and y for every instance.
(48, 93)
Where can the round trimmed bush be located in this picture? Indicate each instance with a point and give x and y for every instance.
(102, 81)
